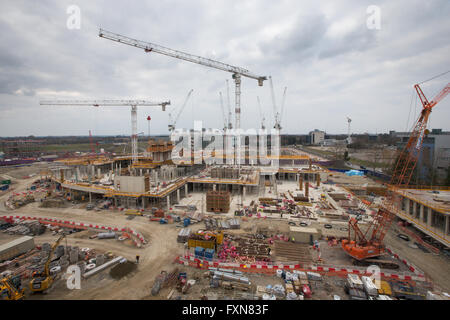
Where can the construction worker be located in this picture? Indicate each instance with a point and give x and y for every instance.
(137, 258)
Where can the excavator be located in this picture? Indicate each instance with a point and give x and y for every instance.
(43, 280)
(10, 288)
(366, 247)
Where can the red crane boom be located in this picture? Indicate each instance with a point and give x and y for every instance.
(370, 244)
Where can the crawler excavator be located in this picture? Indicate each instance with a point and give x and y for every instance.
(43, 280)
(366, 247)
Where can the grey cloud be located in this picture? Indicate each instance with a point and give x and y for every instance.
(360, 73)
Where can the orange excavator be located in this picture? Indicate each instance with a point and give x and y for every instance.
(363, 246)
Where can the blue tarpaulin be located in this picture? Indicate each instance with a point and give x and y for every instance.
(354, 173)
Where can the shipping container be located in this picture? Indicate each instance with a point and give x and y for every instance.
(16, 247)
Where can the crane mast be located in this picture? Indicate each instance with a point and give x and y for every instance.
(261, 114)
(111, 103)
(223, 113)
(277, 114)
(237, 72)
(370, 244)
(230, 125)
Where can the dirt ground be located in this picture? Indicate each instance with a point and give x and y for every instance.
(162, 249)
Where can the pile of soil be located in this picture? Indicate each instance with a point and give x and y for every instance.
(122, 269)
(52, 203)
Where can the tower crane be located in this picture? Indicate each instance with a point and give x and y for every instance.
(108, 103)
(91, 142)
(362, 246)
(263, 126)
(230, 125)
(277, 115)
(237, 72)
(173, 122)
(225, 122)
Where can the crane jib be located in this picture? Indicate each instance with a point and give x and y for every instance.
(151, 47)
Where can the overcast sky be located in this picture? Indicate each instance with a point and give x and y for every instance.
(332, 64)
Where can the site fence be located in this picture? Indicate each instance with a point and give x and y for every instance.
(264, 267)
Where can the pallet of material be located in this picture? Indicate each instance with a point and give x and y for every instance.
(183, 235)
(289, 288)
(302, 203)
(286, 251)
(218, 201)
(338, 196)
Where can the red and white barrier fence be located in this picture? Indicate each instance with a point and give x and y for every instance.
(410, 266)
(73, 224)
(268, 267)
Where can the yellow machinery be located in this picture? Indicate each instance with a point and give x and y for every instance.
(10, 289)
(384, 288)
(43, 280)
(131, 212)
(207, 240)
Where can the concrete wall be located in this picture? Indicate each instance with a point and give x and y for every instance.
(134, 184)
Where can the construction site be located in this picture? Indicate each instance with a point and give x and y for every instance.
(143, 225)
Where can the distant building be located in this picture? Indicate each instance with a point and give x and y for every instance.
(435, 153)
(317, 136)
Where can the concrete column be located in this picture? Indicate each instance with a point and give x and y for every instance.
(292, 162)
(186, 190)
(90, 197)
(446, 225)
(168, 202)
(407, 205)
(421, 212)
(243, 193)
(140, 172)
(143, 203)
(214, 187)
(430, 212)
(178, 195)
(78, 175)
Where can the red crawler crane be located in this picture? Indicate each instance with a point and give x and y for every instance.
(370, 244)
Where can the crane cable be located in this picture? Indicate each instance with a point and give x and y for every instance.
(439, 75)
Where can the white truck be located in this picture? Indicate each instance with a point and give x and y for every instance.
(369, 287)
